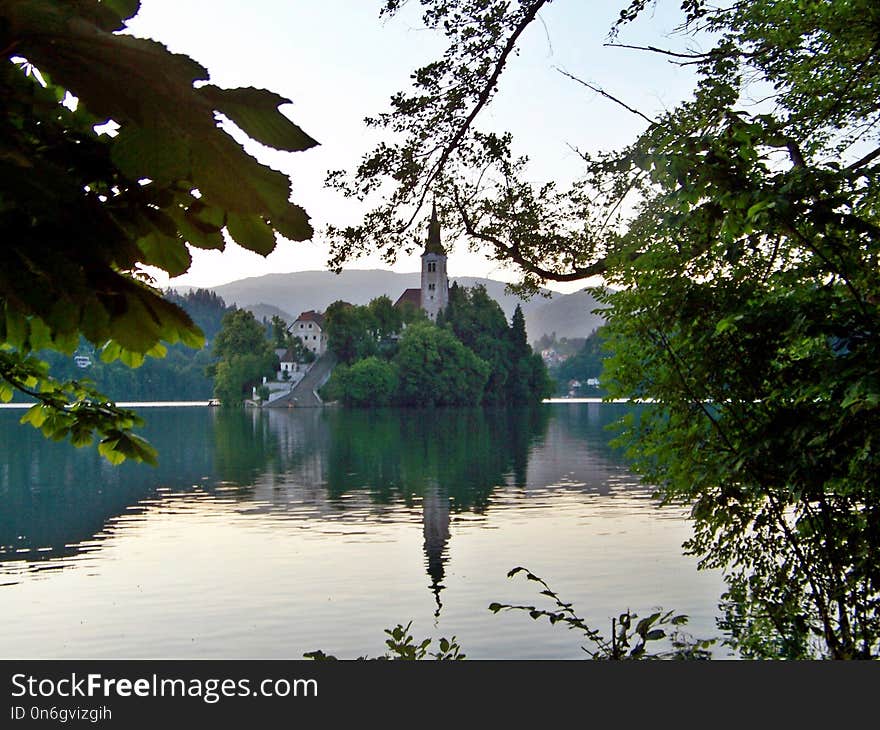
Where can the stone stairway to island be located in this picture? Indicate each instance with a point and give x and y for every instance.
(305, 393)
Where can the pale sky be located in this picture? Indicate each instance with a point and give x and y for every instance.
(338, 63)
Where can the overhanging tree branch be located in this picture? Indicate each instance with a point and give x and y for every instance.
(483, 99)
(604, 93)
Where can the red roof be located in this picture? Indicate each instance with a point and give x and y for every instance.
(311, 316)
(410, 296)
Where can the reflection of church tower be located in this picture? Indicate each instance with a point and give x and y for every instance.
(435, 519)
(435, 284)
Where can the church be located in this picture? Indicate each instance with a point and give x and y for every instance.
(433, 296)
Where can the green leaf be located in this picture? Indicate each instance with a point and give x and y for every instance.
(40, 335)
(120, 446)
(131, 359)
(168, 254)
(124, 9)
(758, 207)
(197, 233)
(256, 112)
(643, 625)
(81, 435)
(35, 415)
(107, 449)
(151, 152)
(251, 232)
(293, 224)
(205, 217)
(232, 180)
(110, 351)
(16, 328)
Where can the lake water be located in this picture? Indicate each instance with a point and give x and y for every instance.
(266, 534)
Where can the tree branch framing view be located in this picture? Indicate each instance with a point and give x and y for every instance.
(738, 244)
(741, 252)
(83, 211)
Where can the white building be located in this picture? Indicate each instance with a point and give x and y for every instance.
(309, 327)
(291, 371)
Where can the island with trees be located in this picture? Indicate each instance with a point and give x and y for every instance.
(469, 356)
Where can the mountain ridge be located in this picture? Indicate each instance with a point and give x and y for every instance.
(568, 315)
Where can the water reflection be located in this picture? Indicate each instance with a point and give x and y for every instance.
(267, 534)
(428, 466)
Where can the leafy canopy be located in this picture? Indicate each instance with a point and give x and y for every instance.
(742, 239)
(83, 210)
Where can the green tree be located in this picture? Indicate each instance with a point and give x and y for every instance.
(205, 308)
(586, 363)
(436, 369)
(479, 323)
(387, 319)
(82, 210)
(350, 331)
(536, 383)
(410, 313)
(529, 380)
(244, 357)
(280, 335)
(515, 376)
(519, 342)
(300, 352)
(743, 243)
(370, 382)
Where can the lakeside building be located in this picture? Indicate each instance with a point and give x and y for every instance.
(309, 327)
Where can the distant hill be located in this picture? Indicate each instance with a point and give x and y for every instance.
(267, 311)
(287, 295)
(568, 315)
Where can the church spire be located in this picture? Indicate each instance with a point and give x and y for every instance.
(435, 284)
(434, 245)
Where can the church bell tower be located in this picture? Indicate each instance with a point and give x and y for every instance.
(435, 284)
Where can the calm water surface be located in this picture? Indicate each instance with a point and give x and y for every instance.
(269, 534)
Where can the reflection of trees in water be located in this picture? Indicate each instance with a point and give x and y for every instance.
(400, 455)
(577, 454)
(593, 424)
(438, 461)
(449, 459)
(54, 495)
(245, 445)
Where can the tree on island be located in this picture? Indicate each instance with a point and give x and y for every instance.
(244, 357)
(469, 357)
(743, 243)
(350, 331)
(83, 210)
(515, 375)
(278, 332)
(386, 320)
(371, 382)
(435, 369)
